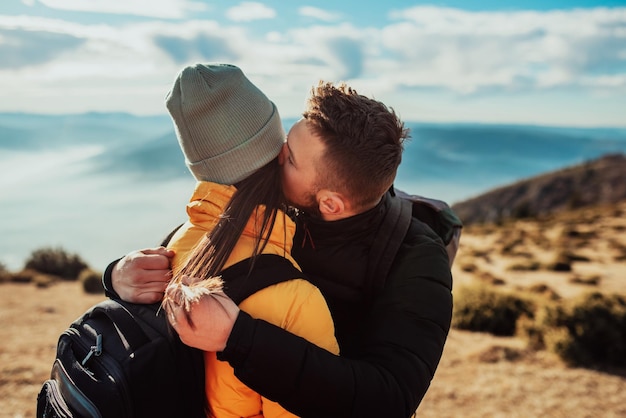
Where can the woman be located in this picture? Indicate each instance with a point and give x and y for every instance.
(231, 136)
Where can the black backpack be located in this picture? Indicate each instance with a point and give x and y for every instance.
(403, 207)
(122, 360)
(437, 214)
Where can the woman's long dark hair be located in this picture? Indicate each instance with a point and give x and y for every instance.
(261, 191)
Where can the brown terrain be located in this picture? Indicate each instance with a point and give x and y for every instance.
(480, 375)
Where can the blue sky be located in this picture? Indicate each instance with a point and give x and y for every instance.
(532, 62)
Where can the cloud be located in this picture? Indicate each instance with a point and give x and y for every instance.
(248, 11)
(157, 160)
(20, 48)
(332, 52)
(166, 9)
(320, 14)
(349, 53)
(471, 51)
(55, 65)
(202, 47)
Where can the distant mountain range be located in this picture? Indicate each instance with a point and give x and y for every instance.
(104, 184)
(595, 182)
(448, 161)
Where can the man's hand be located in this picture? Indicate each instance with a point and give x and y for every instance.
(208, 322)
(142, 276)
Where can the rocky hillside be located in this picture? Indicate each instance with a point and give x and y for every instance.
(594, 182)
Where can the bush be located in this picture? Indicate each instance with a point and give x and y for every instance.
(596, 325)
(530, 265)
(523, 210)
(4, 273)
(544, 290)
(589, 331)
(57, 262)
(483, 309)
(561, 262)
(91, 281)
(592, 280)
(24, 276)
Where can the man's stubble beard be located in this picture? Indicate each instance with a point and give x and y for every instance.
(309, 207)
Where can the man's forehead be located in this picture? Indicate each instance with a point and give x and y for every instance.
(302, 135)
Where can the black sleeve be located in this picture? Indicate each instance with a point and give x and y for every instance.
(107, 281)
(391, 372)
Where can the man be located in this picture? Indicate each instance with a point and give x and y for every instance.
(338, 163)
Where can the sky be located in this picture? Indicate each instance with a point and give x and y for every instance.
(557, 63)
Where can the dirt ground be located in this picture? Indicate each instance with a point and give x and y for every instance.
(31, 320)
(479, 375)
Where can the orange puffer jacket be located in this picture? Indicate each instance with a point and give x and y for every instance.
(295, 305)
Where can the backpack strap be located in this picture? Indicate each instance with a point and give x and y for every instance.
(437, 214)
(387, 241)
(241, 281)
(440, 217)
(121, 322)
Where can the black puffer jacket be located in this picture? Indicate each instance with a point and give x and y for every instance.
(391, 340)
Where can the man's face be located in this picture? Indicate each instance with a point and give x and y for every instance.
(300, 154)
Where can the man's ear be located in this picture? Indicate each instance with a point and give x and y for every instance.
(332, 205)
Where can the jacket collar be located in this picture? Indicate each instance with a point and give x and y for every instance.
(209, 200)
(352, 228)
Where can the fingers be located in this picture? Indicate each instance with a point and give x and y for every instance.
(150, 280)
(159, 251)
(177, 315)
(145, 297)
(205, 323)
(153, 259)
(142, 276)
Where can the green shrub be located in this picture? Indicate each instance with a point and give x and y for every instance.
(484, 309)
(523, 210)
(588, 331)
(468, 267)
(561, 262)
(529, 265)
(544, 290)
(24, 276)
(57, 262)
(44, 280)
(596, 324)
(91, 281)
(558, 340)
(4, 273)
(529, 329)
(592, 280)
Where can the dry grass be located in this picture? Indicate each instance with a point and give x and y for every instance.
(32, 319)
(479, 376)
(482, 376)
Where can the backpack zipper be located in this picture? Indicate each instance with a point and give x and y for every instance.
(95, 350)
(107, 363)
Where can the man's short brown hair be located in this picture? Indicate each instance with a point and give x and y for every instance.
(363, 139)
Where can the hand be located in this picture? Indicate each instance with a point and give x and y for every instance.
(207, 323)
(142, 276)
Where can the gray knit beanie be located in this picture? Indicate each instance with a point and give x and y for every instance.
(226, 127)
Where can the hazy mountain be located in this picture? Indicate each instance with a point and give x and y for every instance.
(452, 161)
(103, 184)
